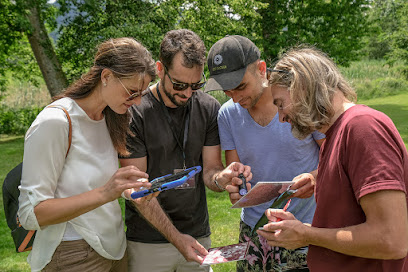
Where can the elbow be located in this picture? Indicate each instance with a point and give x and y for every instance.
(28, 222)
(27, 218)
(397, 253)
(395, 249)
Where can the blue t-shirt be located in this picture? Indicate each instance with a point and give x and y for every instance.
(273, 153)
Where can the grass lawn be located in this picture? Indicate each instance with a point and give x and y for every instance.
(224, 221)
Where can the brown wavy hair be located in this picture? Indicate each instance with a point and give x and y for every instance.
(125, 57)
(312, 78)
(185, 41)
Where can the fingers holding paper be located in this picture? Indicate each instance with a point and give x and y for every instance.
(288, 232)
(191, 249)
(304, 185)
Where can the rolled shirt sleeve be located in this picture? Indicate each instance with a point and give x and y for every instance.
(45, 147)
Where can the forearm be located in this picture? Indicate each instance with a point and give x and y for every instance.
(361, 240)
(154, 214)
(210, 175)
(58, 210)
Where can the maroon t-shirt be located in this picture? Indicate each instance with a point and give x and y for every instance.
(363, 153)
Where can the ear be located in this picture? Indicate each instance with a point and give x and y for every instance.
(262, 68)
(106, 75)
(160, 70)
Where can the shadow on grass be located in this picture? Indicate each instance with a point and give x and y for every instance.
(10, 139)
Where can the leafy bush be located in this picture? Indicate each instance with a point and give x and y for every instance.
(17, 121)
(220, 96)
(381, 87)
(376, 78)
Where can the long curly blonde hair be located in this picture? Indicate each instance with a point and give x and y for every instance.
(312, 78)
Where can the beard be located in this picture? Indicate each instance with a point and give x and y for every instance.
(299, 131)
(172, 97)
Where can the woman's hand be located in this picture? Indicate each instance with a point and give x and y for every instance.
(126, 179)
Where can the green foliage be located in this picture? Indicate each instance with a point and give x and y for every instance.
(97, 21)
(17, 121)
(376, 78)
(15, 52)
(336, 27)
(388, 32)
(399, 38)
(212, 20)
(220, 96)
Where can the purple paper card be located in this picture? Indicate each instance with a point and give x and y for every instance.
(225, 254)
(262, 192)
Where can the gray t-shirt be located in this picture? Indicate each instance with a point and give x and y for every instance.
(273, 153)
(154, 138)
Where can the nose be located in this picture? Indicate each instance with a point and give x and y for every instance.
(233, 95)
(188, 92)
(136, 101)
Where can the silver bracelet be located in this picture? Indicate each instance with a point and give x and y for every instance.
(217, 184)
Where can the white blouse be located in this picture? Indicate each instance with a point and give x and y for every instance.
(91, 162)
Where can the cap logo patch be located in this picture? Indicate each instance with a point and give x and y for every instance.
(217, 59)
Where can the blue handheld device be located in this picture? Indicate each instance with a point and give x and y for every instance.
(167, 182)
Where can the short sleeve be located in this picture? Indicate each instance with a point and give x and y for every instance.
(317, 135)
(135, 141)
(227, 141)
(212, 137)
(373, 155)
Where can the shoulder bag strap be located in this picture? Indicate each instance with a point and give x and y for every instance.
(69, 122)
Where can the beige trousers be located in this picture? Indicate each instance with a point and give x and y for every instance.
(79, 256)
(162, 258)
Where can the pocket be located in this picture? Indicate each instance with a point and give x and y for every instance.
(72, 256)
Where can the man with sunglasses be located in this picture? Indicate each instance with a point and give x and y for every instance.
(251, 133)
(175, 127)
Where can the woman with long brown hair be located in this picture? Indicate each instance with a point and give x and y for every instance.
(72, 200)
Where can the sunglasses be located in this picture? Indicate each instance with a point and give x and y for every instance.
(133, 94)
(181, 86)
(270, 70)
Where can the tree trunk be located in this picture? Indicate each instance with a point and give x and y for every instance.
(44, 53)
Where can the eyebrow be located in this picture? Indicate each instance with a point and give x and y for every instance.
(240, 85)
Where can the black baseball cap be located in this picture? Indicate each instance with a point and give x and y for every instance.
(228, 60)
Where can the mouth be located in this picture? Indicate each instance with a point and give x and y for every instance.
(242, 101)
(183, 98)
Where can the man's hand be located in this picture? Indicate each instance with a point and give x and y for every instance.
(233, 189)
(228, 178)
(190, 248)
(288, 233)
(304, 184)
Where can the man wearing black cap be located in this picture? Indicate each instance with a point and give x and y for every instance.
(250, 132)
(175, 127)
